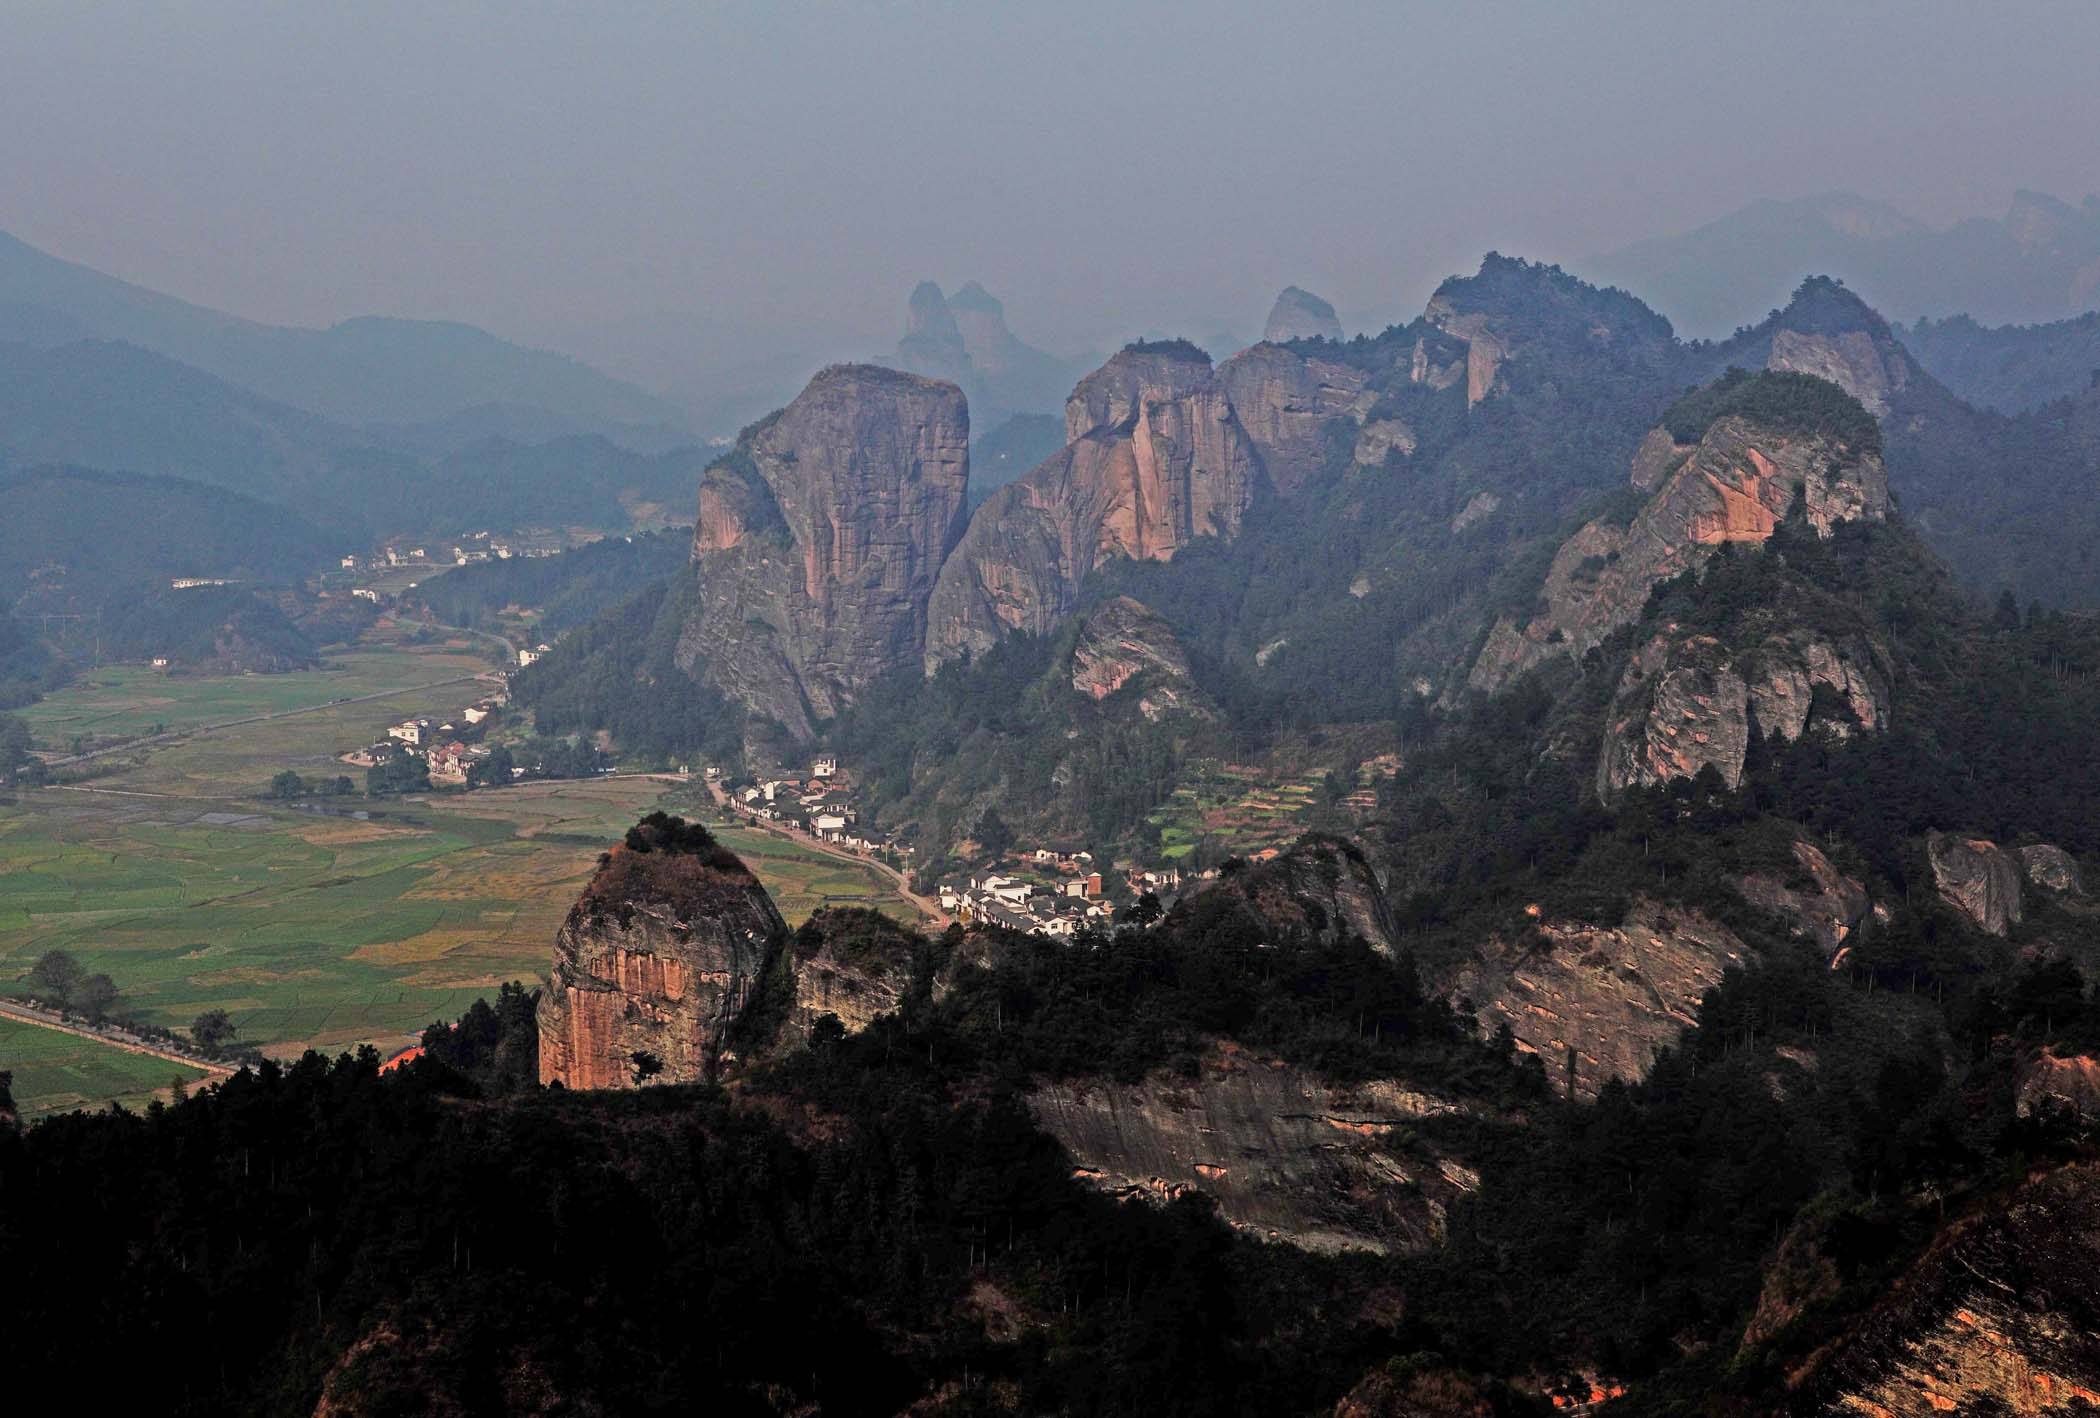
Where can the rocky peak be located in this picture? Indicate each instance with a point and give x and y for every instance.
(862, 482)
(657, 958)
(1110, 399)
(930, 327)
(1300, 315)
(1732, 463)
(1828, 331)
(1511, 304)
(1155, 458)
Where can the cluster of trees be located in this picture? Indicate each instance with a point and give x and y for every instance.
(58, 979)
(288, 785)
(620, 673)
(17, 763)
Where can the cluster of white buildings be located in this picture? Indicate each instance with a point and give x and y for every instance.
(1058, 911)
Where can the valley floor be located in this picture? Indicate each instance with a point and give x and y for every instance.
(327, 923)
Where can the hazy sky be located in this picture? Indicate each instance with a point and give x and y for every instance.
(569, 172)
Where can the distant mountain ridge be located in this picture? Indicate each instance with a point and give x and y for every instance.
(372, 369)
(2039, 262)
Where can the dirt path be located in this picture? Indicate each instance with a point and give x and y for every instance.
(116, 1039)
(925, 906)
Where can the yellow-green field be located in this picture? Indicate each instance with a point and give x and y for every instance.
(55, 1071)
(328, 924)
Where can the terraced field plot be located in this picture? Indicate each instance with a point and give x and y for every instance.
(1234, 811)
(55, 1072)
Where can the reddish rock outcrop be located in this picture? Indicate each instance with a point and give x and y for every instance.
(1978, 878)
(1607, 997)
(1286, 402)
(1735, 485)
(852, 964)
(2001, 1315)
(820, 538)
(1686, 702)
(1154, 459)
(658, 957)
(2052, 869)
(2065, 1085)
(1125, 640)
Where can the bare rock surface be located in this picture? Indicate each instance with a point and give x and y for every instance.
(1603, 998)
(820, 538)
(1978, 878)
(1284, 1155)
(657, 957)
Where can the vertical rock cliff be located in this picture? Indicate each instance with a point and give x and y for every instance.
(820, 537)
(657, 958)
(1154, 458)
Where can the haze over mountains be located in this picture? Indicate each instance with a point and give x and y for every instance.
(2039, 262)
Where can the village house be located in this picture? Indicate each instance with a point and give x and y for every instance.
(475, 713)
(529, 657)
(829, 822)
(824, 767)
(349, 563)
(410, 731)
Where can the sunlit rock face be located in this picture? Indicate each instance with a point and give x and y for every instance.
(657, 957)
(1735, 485)
(820, 538)
(1154, 458)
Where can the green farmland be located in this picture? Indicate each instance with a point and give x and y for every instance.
(330, 924)
(55, 1071)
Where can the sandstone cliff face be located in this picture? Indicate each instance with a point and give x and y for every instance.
(1322, 889)
(1686, 702)
(1978, 878)
(852, 964)
(2001, 1315)
(1284, 1155)
(1611, 996)
(820, 538)
(1735, 485)
(1870, 370)
(1286, 402)
(1125, 640)
(1820, 904)
(658, 956)
(1154, 459)
(1300, 315)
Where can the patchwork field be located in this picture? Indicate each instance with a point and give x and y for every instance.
(1234, 812)
(55, 1071)
(328, 924)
